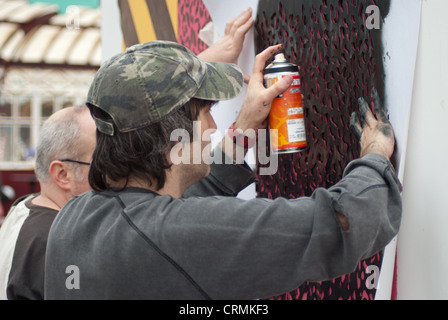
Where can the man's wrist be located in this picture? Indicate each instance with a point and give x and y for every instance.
(242, 138)
(375, 148)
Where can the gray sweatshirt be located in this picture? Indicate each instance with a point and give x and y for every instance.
(136, 244)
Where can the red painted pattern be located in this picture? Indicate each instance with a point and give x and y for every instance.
(192, 17)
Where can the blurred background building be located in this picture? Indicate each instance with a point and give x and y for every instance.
(49, 53)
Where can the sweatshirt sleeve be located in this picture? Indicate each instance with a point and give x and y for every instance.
(261, 248)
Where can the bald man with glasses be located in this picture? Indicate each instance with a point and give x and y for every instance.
(64, 152)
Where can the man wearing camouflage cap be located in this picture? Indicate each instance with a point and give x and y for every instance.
(155, 229)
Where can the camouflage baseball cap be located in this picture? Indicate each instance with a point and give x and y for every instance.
(148, 81)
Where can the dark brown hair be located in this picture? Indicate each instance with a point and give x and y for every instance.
(141, 153)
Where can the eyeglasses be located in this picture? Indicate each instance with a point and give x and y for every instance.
(75, 161)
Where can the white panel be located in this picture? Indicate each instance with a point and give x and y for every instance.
(400, 34)
(422, 243)
(111, 35)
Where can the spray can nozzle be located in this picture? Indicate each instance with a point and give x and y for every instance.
(280, 58)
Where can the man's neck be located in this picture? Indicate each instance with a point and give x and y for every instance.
(48, 199)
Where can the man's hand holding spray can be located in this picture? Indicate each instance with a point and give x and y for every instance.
(286, 119)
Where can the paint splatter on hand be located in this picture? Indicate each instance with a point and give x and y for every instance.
(373, 130)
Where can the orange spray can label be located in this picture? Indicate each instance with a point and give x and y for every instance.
(286, 119)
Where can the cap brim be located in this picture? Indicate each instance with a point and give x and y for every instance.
(223, 81)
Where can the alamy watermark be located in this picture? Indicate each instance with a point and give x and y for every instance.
(72, 17)
(373, 277)
(374, 16)
(73, 281)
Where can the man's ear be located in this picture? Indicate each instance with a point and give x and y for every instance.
(60, 174)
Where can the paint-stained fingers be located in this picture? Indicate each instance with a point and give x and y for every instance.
(367, 117)
(355, 126)
(357, 123)
(380, 110)
(382, 115)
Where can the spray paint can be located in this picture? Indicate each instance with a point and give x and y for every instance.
(286, 119)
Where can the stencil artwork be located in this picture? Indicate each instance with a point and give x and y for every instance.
(340, 60)
(192, 17)
(146, 21)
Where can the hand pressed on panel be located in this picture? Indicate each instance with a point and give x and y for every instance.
(375, 132)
